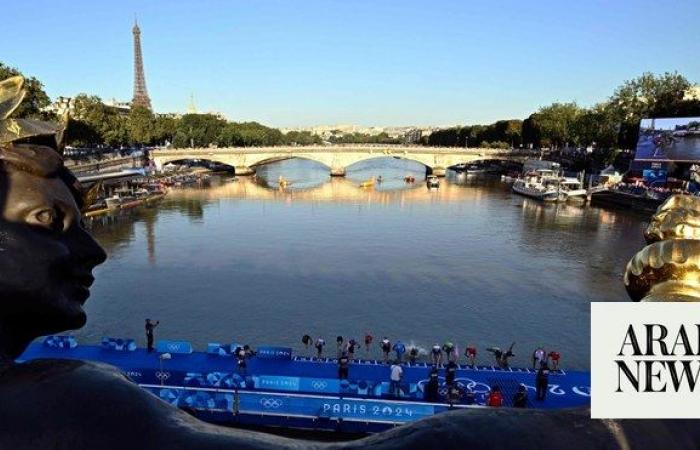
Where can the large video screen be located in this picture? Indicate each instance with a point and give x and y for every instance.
(672, 139)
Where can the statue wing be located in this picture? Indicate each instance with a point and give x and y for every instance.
(11, 95)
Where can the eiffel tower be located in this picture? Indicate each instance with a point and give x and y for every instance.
(140, 92)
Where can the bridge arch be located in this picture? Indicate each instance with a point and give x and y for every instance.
(161, 161)
(373, 157)
(275, 159)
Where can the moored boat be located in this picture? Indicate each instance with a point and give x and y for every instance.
(537, 185)
(571, 189)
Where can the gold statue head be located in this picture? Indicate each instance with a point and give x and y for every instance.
(677, 218)
(668, 269)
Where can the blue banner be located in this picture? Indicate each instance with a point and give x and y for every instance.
(297, 384)
(272, 382)
(268, 352)
(166, 346)
(347, 409)
(320, 385)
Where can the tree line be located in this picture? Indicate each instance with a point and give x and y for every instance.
(94, 123)
(611, 124)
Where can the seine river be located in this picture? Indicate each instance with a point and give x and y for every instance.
(469, 262)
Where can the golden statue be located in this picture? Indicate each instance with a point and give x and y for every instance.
(668, 269)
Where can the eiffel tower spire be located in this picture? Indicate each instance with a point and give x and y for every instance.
(192, 108)
(140, 92)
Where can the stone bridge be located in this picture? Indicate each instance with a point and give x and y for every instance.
(339, 157)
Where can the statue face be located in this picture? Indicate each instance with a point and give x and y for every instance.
(46, 256)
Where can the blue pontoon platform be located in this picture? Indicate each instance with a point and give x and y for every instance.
(278, 389)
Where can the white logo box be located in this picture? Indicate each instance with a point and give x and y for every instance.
(616, 394)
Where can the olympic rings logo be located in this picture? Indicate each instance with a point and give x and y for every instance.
(173, 347)
(270, 403)
(319, 385)
(162, 376)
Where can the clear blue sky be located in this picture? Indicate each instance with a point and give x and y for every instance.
(371, 62)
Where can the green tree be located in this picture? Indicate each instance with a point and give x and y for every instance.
(596, 126)
(650, 95)
(513, 132)
(141, 125)
(115, 132)
(302, 138)
(200, 130)
(556, 123)
(94, 123)
(81, 134)
(164, 129)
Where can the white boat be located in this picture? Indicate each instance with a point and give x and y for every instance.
(571, 189)
(540, 185)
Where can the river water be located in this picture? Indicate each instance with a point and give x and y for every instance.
(469, 262)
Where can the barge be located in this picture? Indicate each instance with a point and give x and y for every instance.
(278, 389)
(625, 200)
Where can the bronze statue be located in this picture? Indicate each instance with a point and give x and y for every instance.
(46, 259)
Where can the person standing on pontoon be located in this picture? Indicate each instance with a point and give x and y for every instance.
(240, 355)
(537, 357)
(352, 343)
(395, 379)
(470, 353)
(413, 354)
(449, 349)
(400, 349)
(368, 341)
(343, 366)
(542, 381)
(555, 357)
(150, 326)
(320, 343)
(339, 345)
(386, 348)
(307, 341)
(436, 354)
(450, 373)
(432, 387)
